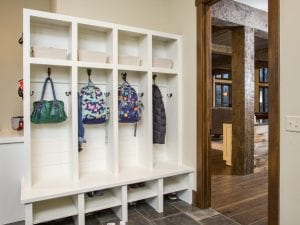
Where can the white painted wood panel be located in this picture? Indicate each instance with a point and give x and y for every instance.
(113, 157)
(12, 164)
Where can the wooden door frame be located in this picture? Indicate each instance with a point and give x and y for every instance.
(204, 103)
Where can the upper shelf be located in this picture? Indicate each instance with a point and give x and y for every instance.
(71, 41)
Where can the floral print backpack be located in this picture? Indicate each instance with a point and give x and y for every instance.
(130, 108)
(94, 108)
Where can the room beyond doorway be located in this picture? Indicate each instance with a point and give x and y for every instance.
(204, 104)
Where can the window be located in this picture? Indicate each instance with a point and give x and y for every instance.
(223, 76)
(263, 90)
(263, 75)
(222, 84)
(263, 99)
(223, 95)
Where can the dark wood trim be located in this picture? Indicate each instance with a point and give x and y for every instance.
(274, 112)
(204, 103)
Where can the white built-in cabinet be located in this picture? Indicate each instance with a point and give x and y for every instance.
(57, 176)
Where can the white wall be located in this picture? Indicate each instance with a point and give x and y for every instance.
(151, 14)
(11, 67)
(182, 21)
(290, 105)
(174, 16)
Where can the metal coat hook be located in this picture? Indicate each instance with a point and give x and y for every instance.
(169, 95)
(107, 94)
(89, 72)
(49, 72)
(141, 94)
(68, 93)
(20, 41)
(154, 78)
(31, 93)
(124, 75)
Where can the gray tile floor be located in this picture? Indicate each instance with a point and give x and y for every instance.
(175, 213)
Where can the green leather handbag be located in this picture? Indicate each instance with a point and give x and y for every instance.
(48, 111)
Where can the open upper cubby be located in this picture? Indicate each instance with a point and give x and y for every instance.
(134, 148)
(51, 143)
(97, 153)
(164, 53)
(95, 44)
(50, 38)
(133, 49)
(169, 151)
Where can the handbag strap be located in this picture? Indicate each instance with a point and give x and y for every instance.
(44, 88)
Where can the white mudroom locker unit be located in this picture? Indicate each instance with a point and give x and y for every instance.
(58, 176)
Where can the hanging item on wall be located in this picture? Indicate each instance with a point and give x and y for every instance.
(130, 107)
(94, 108)
(20, 89)
(81, 132)
(48, 111)
(159, 115)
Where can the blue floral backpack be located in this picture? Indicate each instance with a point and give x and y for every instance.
(130, 107)
(94, 108)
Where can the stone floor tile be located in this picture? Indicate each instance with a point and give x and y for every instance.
(151, 214)
(218, 220)
(194, 212)
(92, 220)
(178, 219)
(105, 215)
(133, 219)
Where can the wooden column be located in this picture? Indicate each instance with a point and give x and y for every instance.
(204, 103)
(243, 99)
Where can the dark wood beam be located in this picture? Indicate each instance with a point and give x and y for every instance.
(274, 113)
(204, 104)
(243, 100)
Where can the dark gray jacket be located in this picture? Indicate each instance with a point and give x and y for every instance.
(159, 116)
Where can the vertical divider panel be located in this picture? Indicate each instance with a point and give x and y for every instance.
(28, 214)
(124, 203)
(187, 195)
(75, 157)
(161, 195)
(74, 41)
(145, 152)
(179, 94)
(114, 96)
(155, 202)
(111, 126)
(26, 109)
(79, 202)
(150, 111)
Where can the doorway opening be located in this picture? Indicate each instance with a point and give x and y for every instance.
(237, 173)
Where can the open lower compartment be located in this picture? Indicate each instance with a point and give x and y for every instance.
(176, 183)
(166, 149)
(141, 191)
(104, 199)
(51, 143)
(96, 154)
(53, 209)
(133, 137)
